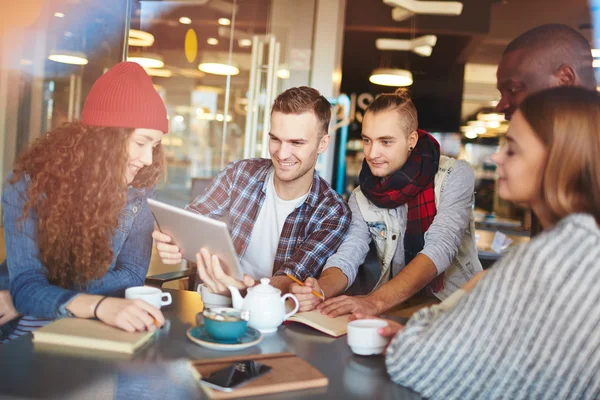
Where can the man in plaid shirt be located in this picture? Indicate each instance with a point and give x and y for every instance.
(283, 218)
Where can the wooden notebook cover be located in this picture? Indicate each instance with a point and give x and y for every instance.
(289, 372)
(332, 326)
(90, 334)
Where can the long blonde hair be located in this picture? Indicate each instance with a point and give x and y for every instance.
(567, 121)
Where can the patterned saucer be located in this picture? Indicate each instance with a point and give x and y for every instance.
(199, 336)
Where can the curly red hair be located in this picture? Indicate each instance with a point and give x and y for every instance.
(78, 190)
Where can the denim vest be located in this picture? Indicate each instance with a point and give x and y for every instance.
(31, 292)
(384, 228)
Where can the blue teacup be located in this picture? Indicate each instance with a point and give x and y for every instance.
(225, 324)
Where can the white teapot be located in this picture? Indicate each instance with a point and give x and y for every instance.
(266, 305)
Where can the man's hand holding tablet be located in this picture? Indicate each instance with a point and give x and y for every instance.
(209, 266)
(213, 276)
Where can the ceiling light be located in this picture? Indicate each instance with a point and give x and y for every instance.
(68, 57)
(423, 51)
(59, 15)
(159, 72)
(212, 41)
(477, 123)
(224, 21)
(596, 53)
(391, 77)
(185, 20)
(422, 46)
(404, 9)
(191, 73)
(245, 42)
(148, 60)
(218, 69)
(490, 117)
(471, 135)
(493, 125)
(596, 64)
(140, 38)
(283, 73)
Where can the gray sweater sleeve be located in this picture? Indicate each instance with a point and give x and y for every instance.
(355, 247)
(443, 237)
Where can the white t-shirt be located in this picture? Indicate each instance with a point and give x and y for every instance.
(260, 254)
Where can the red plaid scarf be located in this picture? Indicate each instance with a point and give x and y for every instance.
(412, 184)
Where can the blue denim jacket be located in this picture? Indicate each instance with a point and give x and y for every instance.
(31, 292)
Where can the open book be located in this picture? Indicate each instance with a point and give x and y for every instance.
(89, 334)
(331, 326)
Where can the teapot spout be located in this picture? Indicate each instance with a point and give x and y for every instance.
(236, 297)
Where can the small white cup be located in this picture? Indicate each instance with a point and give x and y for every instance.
(151, 295)
(363, 337)
(211, 299)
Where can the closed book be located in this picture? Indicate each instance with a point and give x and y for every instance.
(89, 334)
(332, 326)
(288, 373)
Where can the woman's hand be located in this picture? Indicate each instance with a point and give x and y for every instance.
(8, 312)
(130, 315)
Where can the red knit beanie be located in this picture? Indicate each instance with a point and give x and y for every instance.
(124, 97)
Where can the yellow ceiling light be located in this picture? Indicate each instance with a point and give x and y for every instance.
(185, 20)
(283, 73)
(148, 60)
(490, 117)
(596, 64)
(596, 53)
(140, 38)
(59, 15)
(212, 41)
(224, 21)
(159, 72)
(245, 42)
(391, 77)
(218, 69)
(191, 73)
(471, 135)
(68, 57)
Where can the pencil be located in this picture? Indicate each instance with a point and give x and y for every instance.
(319, 295)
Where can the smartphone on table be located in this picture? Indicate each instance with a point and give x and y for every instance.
(234, 375)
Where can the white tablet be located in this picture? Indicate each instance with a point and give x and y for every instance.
(191, 231)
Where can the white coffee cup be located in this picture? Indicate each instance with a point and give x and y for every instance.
(364, 338)
(151, 295)
(211, 299)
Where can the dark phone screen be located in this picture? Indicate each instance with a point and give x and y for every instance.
(236, 374)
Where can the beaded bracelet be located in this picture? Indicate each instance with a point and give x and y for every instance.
(97, 305)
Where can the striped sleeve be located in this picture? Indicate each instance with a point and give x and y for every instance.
(525, 331)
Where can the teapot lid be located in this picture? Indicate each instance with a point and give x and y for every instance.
(265, 287)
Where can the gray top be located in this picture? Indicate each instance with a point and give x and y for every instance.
(442, 239)
(528, 330)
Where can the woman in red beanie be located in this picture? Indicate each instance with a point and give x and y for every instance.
(77, 225)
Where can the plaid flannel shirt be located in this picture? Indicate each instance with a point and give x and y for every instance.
(311, 233)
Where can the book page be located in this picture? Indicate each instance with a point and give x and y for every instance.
(332, 326)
